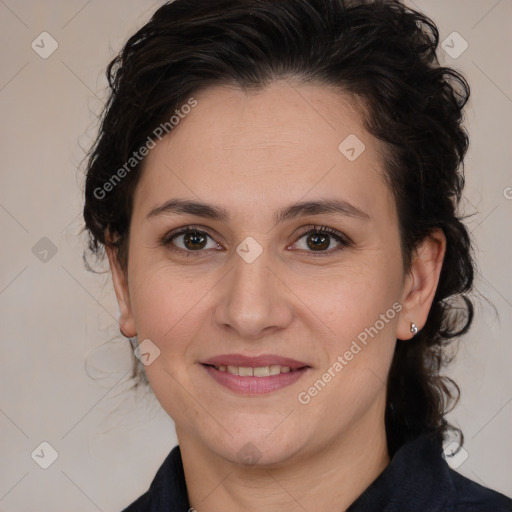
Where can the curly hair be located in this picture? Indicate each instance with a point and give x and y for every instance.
(383, 54)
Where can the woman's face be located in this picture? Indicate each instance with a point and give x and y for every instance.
(321, 314)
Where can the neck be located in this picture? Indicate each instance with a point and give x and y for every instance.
(328, 478)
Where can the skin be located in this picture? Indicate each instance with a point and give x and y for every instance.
(253, 154)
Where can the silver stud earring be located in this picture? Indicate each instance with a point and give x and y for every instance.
(414, 329)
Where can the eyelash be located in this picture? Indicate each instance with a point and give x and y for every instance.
(344, 242)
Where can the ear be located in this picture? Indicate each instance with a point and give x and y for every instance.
(126, 320)
(421, 283)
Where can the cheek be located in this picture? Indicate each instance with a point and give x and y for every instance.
(166, 306)
(163, 303)
(360, 308)
(359, 349)
(347, 302)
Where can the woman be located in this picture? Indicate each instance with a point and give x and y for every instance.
(276, 187)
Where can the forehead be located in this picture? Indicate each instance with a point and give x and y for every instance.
(261, 149)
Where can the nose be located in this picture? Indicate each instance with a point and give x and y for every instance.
(253, 299)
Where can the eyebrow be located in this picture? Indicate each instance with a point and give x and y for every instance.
(294, 210)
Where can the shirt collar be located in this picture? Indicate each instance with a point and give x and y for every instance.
(416, 476)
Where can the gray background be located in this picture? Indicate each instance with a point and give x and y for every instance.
(63, 375)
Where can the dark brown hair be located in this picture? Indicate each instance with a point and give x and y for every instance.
(383, 54)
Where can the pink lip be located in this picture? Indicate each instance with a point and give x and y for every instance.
(254, 385)
(254, 362)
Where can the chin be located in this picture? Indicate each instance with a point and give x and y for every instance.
(260, 447)
(256, 454)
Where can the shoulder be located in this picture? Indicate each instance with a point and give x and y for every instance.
(167, 490)
(139, 505)
(470, 496)
(419, 478)
(455, 492)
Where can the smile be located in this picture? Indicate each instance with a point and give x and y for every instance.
(260, 371)
(256, 380)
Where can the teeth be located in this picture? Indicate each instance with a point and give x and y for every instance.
(261, 371)
(275, 369)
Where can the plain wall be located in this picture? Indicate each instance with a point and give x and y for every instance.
(53, 312)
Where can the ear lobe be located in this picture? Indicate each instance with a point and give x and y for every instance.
(421, 283)
(126, 321)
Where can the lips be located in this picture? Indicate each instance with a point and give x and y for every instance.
(254, 375)
(254, 362)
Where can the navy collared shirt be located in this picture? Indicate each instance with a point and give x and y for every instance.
(417, 479)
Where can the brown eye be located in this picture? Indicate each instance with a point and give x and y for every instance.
(319, 239)
(194, 240)
(189, 240)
